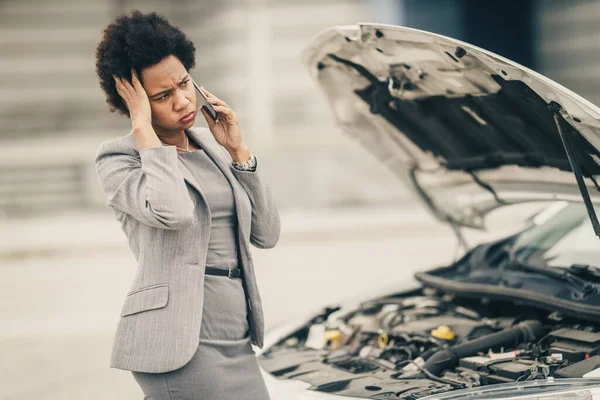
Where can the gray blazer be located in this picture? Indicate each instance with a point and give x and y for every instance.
(167, 222)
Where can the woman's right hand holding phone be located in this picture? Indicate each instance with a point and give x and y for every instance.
(135, 98)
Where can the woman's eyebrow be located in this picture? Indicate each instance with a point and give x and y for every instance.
(168, 90)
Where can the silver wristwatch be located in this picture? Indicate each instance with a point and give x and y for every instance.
(249, 165)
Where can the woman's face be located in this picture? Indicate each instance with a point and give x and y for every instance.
(171, 94)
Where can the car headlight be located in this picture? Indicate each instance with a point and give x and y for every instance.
(548, 389)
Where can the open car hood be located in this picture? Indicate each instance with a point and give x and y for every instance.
(465, 129)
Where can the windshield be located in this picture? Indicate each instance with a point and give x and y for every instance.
(564, 238)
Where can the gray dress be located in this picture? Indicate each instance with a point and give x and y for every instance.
(225, 365)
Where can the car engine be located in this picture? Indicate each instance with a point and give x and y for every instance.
(427, 342)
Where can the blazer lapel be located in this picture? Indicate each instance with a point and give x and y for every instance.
(205, 139)
(210, 146)
(187, 175)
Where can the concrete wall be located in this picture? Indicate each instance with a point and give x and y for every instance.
(568, 44)
(54, 116)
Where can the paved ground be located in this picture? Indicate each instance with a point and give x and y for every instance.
(63, 280)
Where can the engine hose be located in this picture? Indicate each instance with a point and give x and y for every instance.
(448, 358)
(425, 356)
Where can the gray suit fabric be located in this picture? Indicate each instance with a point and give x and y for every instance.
(222, 245)
(196, 380)
(224, 366)
(167, 221)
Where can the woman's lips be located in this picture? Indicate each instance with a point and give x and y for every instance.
(187, 117)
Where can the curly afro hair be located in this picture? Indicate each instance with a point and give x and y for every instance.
(137, 41)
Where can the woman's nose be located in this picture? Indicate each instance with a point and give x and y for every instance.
(181, 101)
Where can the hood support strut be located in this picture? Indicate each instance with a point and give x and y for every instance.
(555, 109)
(444, 217)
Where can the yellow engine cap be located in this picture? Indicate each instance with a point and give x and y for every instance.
(382, 340)
(332, 335)
(443, 332)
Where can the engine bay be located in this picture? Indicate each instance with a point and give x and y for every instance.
(427, 342)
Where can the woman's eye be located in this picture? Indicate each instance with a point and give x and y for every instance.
(164, 96)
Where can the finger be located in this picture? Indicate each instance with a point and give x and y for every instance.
(135, 80)
(119, 87)
(218, 102)
(118, 82)
(211, 122)
(226, 111)
(121, 90)
(124, 85)
(206, 92)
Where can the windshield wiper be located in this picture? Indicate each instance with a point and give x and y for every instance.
(584, 287)
(569, 275)
(585, 270)
(555, 108)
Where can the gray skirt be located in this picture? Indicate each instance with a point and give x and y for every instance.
(224, 365)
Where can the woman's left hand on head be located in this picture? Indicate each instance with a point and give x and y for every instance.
(225, 129)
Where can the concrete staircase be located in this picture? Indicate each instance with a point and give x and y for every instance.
(54, 116)
(51, 102)
(48, 84)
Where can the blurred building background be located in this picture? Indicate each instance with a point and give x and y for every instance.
(348, 225)
(54, 115)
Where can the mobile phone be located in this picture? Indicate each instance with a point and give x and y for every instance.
(209, 107)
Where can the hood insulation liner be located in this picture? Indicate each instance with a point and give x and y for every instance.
(471, 133)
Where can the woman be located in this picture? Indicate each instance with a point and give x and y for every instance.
(190, 200)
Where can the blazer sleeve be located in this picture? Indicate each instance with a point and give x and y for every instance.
(149, 187)
(265, 224)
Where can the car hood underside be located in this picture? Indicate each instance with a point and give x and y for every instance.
(464, 129)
